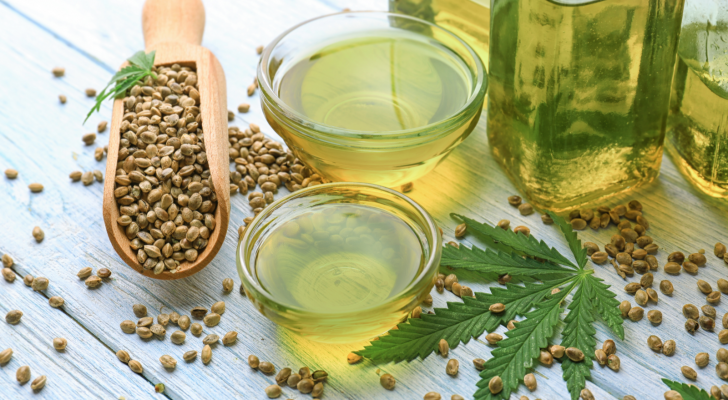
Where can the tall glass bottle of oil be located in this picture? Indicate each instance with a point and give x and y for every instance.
(469, 19)
(697, 139)
(579, 94)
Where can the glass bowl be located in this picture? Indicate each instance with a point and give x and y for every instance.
(299, 293)
(390, 157)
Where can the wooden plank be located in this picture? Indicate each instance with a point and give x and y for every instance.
(85, 369)
(468, 182)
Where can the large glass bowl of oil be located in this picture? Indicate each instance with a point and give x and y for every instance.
(371, 96)
(339, 262)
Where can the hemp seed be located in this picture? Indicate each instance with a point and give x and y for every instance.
(13, 317)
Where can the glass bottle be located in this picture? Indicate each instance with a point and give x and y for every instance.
(697, 140)
(469, 19)
(579, 94)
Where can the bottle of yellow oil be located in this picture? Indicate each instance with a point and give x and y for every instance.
(469, 19)
(579, 94)
(698, 137)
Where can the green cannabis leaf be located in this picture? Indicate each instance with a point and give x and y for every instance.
(520, 243)
(140, 66)
(543, 270)
(688, 392)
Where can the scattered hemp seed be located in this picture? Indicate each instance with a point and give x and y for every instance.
(60, 344)
(444, 347)
(574, 354)
(159, 388)
(666, 287)
(636, 313)
(168, 361)
(5, 356)
(62, 98)
(7, 260)
(11, 173)
(452, 367)
(497, 308)
(655, 317)
(702, 360)
(273, 391)
(495, 385)
(123, 356)
(546, 219)
(387, 381)
(352, 358)
(493, 338)
(38, 383)
(183, 322)
(135, 366)
(8, 275)
(523, 230)
(196, 329)
(530, 381)
(479, 364)
(58, 71)
(600, 356)
(654, 343)
(668, 348)
(525, 209)
(514, 200)
(230, 338)
(101, 126)
(691, 326)
(720, 250)
(713, 297)
(56, 301)
(460, 231)
(38, 234)
(586, 394)
(690, 311)
(545, 358)
(227, 285)
(436, 396)
(578, 224)
(722, 370)
(689, 372)
(206, 354)
(93, 281)
(218, 308)
(23, 374)
(40, 284)
(243, 107)
(190, 356)
(91, 92)
(89, 138)
(613, 362)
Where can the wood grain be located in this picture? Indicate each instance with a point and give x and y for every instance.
(91, 39)
(163, 21)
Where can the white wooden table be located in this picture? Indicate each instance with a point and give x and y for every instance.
(42, 139)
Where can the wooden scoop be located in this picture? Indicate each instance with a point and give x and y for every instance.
(174, 29)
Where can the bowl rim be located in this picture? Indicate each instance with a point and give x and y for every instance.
(477, 90)
(432, 264)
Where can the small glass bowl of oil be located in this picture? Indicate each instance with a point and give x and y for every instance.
(371, 96)
(339, 262)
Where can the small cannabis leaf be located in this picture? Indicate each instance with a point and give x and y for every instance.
(537, 300)
(140, 66)
(688, 392)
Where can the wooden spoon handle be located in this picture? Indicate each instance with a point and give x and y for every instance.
(173, 21)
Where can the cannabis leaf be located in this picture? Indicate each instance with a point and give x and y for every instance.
(540, 303)
(574, 243)
(517, 241)
(492, 264)
(458, 322)
(688, 392)
(140, 66)
(516, 354)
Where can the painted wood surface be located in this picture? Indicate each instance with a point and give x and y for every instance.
(42, 139)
